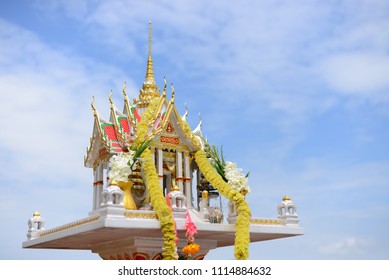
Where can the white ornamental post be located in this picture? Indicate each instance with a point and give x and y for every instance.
(35, 226)
(287, 211)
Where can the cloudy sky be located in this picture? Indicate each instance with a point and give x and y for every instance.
(297, 92)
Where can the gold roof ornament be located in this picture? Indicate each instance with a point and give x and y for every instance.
(173, 98)
(149, 90)
(93, 106)
(36, 214)
(125, 93)
(110, 99)
(286, 197)
(164, 87)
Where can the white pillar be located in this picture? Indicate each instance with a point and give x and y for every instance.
(94, 189)
(179, 176)
(187, 181)
(98, 184)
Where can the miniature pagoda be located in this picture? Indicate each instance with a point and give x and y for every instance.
(156, 189)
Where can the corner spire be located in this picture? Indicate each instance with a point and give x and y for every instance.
(149, 89)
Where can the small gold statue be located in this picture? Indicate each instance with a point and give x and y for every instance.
(204, 195)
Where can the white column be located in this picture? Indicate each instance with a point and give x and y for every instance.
(94, 189)
(187, 181)
(179, 176)
(160, 166)
(99, 183)
(198, 179)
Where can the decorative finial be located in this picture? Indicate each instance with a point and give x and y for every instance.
(286, 197)
(164, 86)
(110, 98)
(36, 214)
(197, 131)
(172, 90)
(124, 90)
(93, 106)
(186, 112)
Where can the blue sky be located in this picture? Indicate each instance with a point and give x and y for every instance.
(297, 92)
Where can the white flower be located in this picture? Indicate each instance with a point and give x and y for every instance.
(235, 177)
(119, 167)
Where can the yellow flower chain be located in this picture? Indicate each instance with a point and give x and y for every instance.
(160, 206)
(188, 133)
(158, 200)
(242, 235)
(142, 129)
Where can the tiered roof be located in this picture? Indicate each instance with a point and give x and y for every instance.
(117, 134)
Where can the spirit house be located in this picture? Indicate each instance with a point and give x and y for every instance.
(157, 187)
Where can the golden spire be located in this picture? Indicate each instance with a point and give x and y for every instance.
(149, 89)
(149, 70)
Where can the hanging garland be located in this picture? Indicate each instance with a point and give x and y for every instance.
(160, 206)
(242, 235)
(158, 200)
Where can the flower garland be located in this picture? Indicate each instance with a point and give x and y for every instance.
(188, 133)
(242, 235)
(160, 206)
(142, 129)
(157, 198)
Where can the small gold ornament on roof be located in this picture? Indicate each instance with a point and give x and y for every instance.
(286, 197)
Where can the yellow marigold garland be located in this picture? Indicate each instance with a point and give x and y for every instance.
(188, 133)
(160, 206)
(142, 129)
(158, 200)
(242, 235)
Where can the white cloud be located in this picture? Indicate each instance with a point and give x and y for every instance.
(45, 112)
(46, 121)
(269, 54)
(347, 246)
(362, 74)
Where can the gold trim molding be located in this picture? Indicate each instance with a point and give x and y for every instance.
(274, 222)
(151, 216)
(71, 225)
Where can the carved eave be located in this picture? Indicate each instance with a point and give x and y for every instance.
(97, 148)
(127, 110)
(104, 141)
(173, 131)
(122, 125)
(155, 124)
